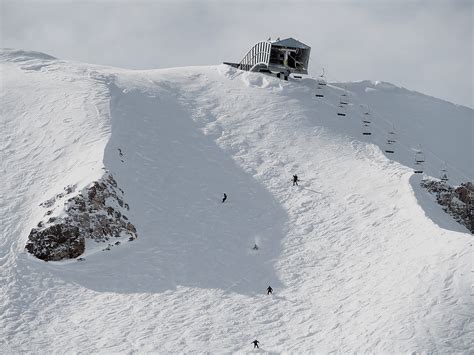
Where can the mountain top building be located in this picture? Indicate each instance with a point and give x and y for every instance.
(282, 57)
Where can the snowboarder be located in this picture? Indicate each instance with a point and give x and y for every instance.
(255, 344)
(269, 290)
(295, 180)
(224, 198)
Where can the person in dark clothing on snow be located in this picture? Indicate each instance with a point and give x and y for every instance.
(295, 180)
(269, 290)
(255, 344)
(224, 198)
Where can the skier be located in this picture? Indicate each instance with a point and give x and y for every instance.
(255, 247)
(224, 198)
(295, 180)
(269, 290)
(255, 343)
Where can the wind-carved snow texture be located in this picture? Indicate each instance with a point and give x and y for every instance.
(98, 213)
(360, 257)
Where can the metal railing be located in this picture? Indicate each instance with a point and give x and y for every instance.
(257, 56)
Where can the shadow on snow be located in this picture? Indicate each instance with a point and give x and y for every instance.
(174, 178)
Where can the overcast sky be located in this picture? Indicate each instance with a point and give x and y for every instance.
(421, 45)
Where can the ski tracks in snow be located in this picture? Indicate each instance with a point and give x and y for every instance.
(340, 258)
(354, 262)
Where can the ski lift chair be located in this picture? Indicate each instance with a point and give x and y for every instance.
(418, 169)
(322, 79)
(390, 142)
(419, 158)
(444, 175)
(341, 112)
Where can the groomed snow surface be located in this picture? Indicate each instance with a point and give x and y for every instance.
(359, 257)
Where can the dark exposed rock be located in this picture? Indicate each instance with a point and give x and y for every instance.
(95, 213)
(70, 189)
(112, 181)
(57, 242)
(130, 227)
(48, 203)
(464, 191)
(92, 192)
(67, 190)
(456, 201)
(79, 203)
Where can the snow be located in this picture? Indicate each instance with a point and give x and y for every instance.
(359, 257)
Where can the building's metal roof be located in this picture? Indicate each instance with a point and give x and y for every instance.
(290, 42)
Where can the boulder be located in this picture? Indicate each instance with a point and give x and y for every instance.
(57, 242)
(95, 213)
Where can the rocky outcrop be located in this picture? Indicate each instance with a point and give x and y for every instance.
(456, 201)
(60, 241)
(97, 213)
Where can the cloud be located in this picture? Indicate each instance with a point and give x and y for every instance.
(422, 45)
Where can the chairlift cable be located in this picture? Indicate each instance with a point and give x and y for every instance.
(402, 135)
(407, 147)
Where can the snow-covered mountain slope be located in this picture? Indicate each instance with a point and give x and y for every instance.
(359, 257)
